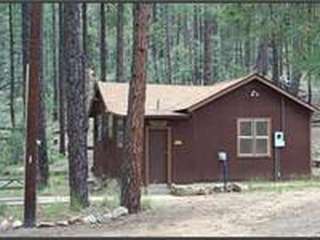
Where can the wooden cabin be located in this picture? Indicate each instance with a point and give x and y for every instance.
(186, 127)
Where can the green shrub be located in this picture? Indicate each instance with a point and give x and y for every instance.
(3, 209)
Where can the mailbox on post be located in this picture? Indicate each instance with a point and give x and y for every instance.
(223, 159)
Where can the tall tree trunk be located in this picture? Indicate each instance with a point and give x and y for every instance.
(179, 29)
(275, 59)
(168, 44)
(132, 162)
(43, 163)
(208, 30)
(274, 43)
(296, 73)
(247, 47)
(62, 107)
(262, 57)
(188, 45)
(12, 69)
(26, 11)
(310, 20)
(84, 42)
(280, 55)
(154, 51)
(297, 45)
(54, 64)
(85, 57)
(286, 56)
(195, 74)
(31, 156)
(84, 28)
(120, 24)
(201, 43)
(76, 107)
(103, 47)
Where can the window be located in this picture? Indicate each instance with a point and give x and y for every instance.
(120, 132)
(99, 128)
(110, 125)
(253, 137)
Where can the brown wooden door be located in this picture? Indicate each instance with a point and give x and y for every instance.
(158, 155)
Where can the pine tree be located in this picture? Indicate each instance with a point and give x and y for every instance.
(61, 83)
(25, 36)
(76, 107)
(120, 44)
(208, 31)
(54, 63)
(103, 46)
(43, 162)
(12, 70)
(131, 169)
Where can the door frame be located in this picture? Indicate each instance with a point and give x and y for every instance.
(168, 154)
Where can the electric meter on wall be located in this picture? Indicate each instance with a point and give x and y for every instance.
(279, 140)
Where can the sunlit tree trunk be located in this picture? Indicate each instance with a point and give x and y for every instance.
(131, 169)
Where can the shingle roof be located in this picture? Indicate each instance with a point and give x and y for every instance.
(170, 100)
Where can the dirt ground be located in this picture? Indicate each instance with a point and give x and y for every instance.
(291, 213)
(257, 213)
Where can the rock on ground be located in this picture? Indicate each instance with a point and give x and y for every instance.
(45, 224)
(204, 189)
(5, 225)
(75, 220)
(17, 224)
(90, 219)
(120, 211)
(106, 217)
(62, 223)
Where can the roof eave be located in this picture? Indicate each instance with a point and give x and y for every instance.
(249, 78)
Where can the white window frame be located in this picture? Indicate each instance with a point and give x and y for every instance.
(254, 137)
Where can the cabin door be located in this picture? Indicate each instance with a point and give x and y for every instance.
(158, 152)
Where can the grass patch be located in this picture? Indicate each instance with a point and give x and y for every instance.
(16, 212)
(45, 212)
(110, 189)
(55, 211)
(57, 186)
(110, 202)
(283, 186)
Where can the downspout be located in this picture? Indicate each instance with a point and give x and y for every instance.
(278, 173)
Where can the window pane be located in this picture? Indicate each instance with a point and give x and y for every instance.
(120, 132)
(245, 128)
(262, 128)
(246, 146)
(110, 125)
(99, 127)
(261, 146)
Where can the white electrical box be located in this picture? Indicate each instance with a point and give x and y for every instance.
(279, 140)
(222, 156)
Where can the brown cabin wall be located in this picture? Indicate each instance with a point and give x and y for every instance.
(107, 158)
(107, 155)
(213, 128)
(297, 155)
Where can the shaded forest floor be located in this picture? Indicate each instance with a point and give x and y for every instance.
(253, 213)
